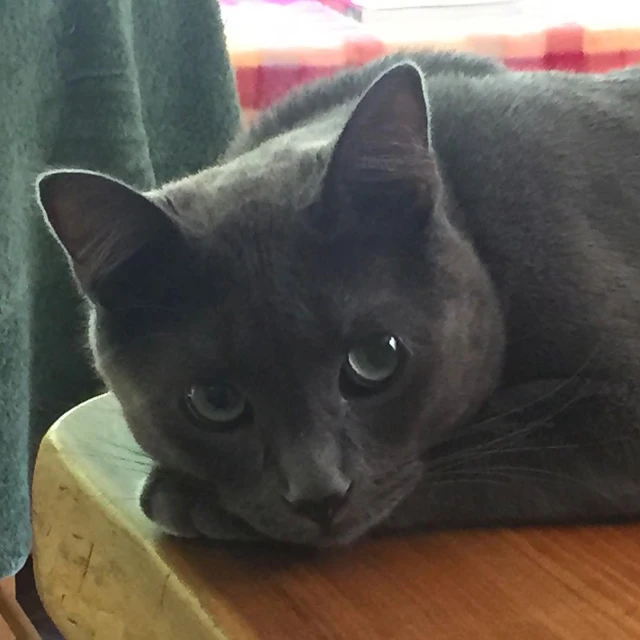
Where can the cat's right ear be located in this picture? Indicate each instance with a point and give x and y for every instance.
(103, 226)
(382, 177)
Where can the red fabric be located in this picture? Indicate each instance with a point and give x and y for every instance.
(314, 40)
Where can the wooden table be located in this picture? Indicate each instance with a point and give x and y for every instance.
(105, 573)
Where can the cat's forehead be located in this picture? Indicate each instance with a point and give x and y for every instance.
(283, 173)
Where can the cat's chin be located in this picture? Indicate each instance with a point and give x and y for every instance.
(344, 538)
(241, 532)
(214, 524)
(346, 535)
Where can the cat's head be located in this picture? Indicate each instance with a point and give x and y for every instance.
(289, 331)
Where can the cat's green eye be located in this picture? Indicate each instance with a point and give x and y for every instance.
(222, 404)
(371, 364)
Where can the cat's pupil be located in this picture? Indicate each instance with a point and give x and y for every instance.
(374, 362)
(221, 403)
(222, 397)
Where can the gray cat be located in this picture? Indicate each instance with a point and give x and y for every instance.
(408, 295)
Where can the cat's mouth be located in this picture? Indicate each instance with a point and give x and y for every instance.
(364, 511)
(186, 507)
(354, 522)
(344, 531)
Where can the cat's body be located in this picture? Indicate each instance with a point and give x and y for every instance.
(489, 234)
(515, 150)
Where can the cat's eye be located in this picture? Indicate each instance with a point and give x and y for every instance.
(221, 404)
(372, 364)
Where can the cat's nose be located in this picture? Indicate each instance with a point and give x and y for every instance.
(322, 509)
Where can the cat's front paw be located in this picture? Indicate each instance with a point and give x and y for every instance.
(181, 507)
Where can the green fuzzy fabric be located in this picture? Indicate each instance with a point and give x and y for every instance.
(140, 89)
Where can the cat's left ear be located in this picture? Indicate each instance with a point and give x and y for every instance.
(382, 175)
(117, 240)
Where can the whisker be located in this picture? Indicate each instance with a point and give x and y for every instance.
(469, 480)
(545, 396)
(484, 449)
(479, 453)
(511, 433)
(541, 475)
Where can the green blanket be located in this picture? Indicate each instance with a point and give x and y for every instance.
(141, 89)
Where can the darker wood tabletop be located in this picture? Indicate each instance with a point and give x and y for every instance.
(105, 571)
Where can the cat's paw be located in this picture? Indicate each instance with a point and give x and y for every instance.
(180, 507)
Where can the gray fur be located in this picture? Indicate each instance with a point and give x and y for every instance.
(487, 218)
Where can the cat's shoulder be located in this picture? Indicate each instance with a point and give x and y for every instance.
(314, 99)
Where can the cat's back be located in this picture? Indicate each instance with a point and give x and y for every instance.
(564, 147)
(546, 170)
(319, 98)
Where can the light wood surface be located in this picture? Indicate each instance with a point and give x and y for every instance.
(105, 573)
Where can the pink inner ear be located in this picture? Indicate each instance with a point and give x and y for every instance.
(80, 207)
(382, 172)
(397, 102)
(100, 222)
(386, 136)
